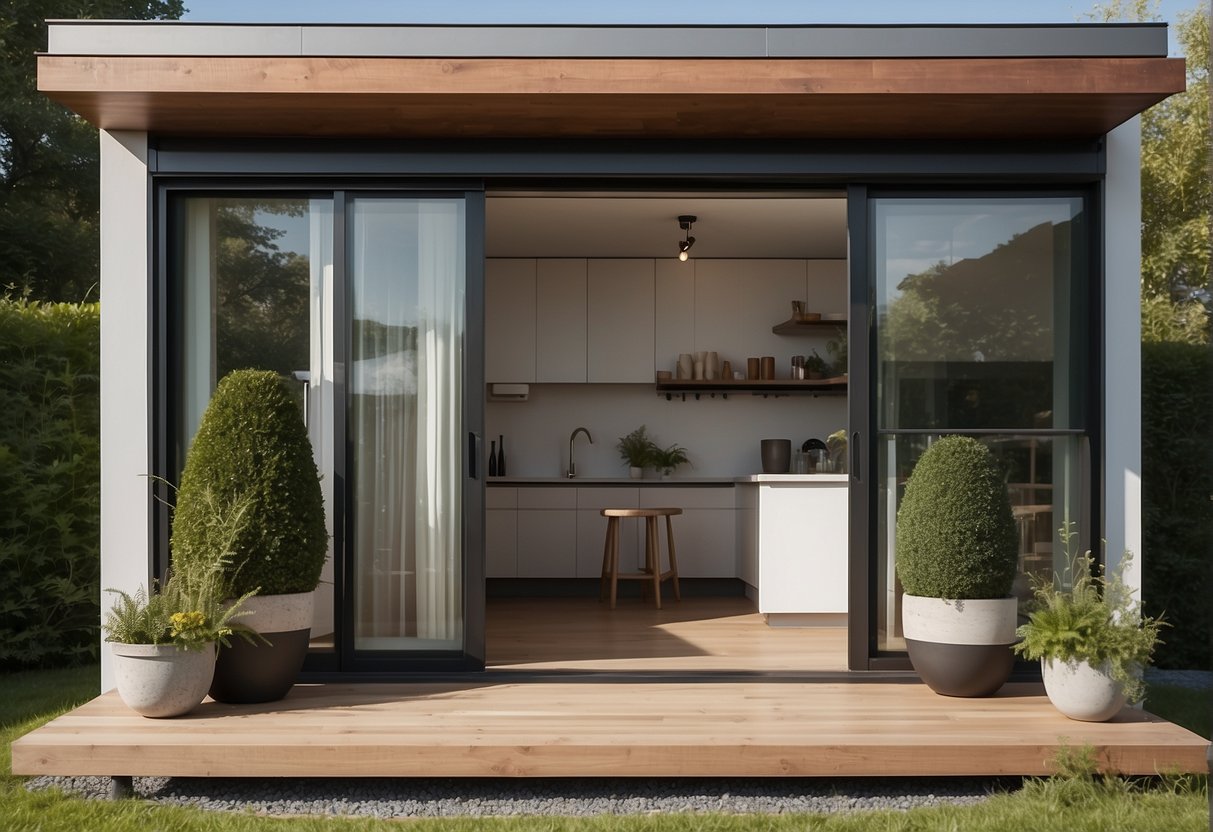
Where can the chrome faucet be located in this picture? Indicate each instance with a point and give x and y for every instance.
(572, 472)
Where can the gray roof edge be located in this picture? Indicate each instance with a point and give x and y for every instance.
(178, 38)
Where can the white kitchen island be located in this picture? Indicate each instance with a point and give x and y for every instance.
(792, 539)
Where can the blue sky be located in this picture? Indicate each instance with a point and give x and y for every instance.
(652, 11)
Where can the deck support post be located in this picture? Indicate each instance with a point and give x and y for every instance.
(122, 786)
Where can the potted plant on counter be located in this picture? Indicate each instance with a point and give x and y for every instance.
(666, 460)
(957, 555)
(636, 449)
(814, 366)
(164, 642)
(1091, 637)
(252, 445)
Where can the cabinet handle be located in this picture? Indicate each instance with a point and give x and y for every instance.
(855, 457)
(475, 450)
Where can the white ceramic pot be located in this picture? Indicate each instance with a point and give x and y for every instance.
(1082, 691)
(636, 472)
(162, 680)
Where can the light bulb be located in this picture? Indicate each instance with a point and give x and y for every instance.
(682, 255)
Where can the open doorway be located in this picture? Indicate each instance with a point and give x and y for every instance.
(587, 302)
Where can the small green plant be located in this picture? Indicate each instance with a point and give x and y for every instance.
(814, 363)
(252, 444)
(837, 348)
(956, 537)
(836, 444)
(667, 459)
(1085, 615)
(636, 449)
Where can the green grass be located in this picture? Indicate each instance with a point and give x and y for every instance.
(1193, 709)
(1075, 803)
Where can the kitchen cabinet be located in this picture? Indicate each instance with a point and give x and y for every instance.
(735, 303)
(501, 532)
(560, 321)
(591, 530)
(509, 320)
(547, 532)
(704, 533)
(675, 312)
(620, 320)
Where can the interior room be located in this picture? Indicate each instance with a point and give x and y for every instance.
(594, 322)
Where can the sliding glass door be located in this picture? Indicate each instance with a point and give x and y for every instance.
(362, 303)
(979, 322)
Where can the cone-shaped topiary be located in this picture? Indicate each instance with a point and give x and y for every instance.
(956, 537)
(252, 443)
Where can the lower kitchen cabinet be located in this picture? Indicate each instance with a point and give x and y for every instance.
(501, 543)
(547, 543)
(704, 534)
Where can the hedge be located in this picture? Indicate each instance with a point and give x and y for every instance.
(49, 483)
(1177, 498)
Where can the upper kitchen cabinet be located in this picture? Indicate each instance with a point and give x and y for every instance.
(675, 313)
(560, 321)
(620, 321)
(736, 301)
(509, 320)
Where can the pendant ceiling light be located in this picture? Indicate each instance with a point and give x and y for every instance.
(685, 222)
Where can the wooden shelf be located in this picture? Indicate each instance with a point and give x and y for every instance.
(764, 387)
(794, 327)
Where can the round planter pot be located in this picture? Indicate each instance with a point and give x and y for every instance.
(162, 680)
(636, 472)
(960, 647)
(1081, 691)
(251, 673)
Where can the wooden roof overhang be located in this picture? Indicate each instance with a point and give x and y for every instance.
(894, 97)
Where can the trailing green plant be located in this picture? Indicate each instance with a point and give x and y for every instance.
(956, 537)
(252, 444)
(1085, 615)
(837, 348)
(49, 483)
(636, 449)
(667, 459)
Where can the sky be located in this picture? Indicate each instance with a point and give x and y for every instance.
(666, 11)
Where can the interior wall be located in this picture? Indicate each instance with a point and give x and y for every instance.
(721, 435)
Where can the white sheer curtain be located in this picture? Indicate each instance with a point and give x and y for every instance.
(405, 422)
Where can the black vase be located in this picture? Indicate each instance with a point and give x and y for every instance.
(500, 456)
(492, 459)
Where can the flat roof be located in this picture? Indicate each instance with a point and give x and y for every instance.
(91, 37)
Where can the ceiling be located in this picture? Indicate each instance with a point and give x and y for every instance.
(811, 227)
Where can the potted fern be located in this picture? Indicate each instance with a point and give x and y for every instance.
(164, 641)
(252, 445)
(636, 449)
(1090, 636)
(666, 460)
(957, 555)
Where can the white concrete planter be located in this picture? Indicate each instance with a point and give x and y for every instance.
(162, 680)
(960, 647)
(1082, 691)
(636, 472)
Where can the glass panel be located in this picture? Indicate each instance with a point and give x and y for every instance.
(406, 430)
(975, 312)
(1045, 478)
(255, 281)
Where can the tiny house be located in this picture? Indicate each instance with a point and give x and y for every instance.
(463, 243)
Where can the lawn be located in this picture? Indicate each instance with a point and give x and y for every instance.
(1075, 803)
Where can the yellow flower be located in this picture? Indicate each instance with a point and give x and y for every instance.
(183, 622)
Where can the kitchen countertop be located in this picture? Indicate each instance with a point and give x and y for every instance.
(777, 478)
(674, 481)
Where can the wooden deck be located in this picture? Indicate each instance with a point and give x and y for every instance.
(573, 693)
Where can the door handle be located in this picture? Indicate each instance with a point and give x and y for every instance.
(855, 458)
(475, 451)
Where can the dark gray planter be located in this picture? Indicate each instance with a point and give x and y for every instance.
(250, 673)
(776, 455)
(960, 647)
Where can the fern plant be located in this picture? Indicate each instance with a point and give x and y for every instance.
(667, 459)
(636, 449)
(1085, 615)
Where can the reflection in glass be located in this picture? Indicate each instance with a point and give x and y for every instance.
(405, 422)
(254, 277)
(980, 326)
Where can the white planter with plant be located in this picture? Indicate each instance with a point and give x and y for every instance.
(666, 460)
(957, 555)
(636, 449)
(1091, 637)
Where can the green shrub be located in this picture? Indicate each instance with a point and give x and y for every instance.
(252, 444)
(1177, 497)
(956, 537)
(49, 484)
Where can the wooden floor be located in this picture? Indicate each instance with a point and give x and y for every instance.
(695, 634)
(528, 717)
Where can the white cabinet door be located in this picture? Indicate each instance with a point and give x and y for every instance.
(560, 321)
(509, 320)
(620, 321)
(705, 539)
(738, 301)
(591, 530)
(747, 533)
(802, 548)
(501, 543)
(547, 543)
(675, 313)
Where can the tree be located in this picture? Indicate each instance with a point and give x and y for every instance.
(49, 191)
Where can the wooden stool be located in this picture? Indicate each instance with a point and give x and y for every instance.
(651, 574)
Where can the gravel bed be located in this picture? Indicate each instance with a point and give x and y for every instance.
(399, 798)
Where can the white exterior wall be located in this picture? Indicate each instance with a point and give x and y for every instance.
(1122, 348)
(125, 357)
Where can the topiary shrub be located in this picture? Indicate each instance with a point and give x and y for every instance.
(252, 444)
(956, 537)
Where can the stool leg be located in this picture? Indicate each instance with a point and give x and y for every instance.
(606, 564)
(669, 534)
(613, 535)
(652, 550)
